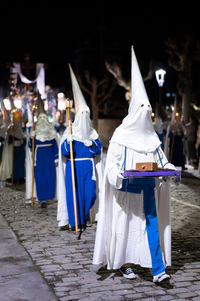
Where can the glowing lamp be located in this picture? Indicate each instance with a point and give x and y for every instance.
(61, 101)
(69, 103)
(46, 106)
(61, 105)
(18, 103)
(7, 104)
(177, 115)
(160, 77)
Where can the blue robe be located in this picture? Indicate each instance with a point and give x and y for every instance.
(44, 168)
(85, 183)
(19, 157)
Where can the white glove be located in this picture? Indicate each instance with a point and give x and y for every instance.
(120, 175)
(88, 143)
(70, 138)
(170, 166)
(119, 180)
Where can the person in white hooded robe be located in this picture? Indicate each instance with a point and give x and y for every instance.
(127, 229)
(45, 159)
(86, 148)
(4, 123)
(13, 155)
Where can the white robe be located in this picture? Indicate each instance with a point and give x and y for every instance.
(62, 214)
(7, 154)
(121, 235)
(28, 169)
(6, 161)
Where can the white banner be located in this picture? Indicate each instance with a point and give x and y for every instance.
(40, 77)
(40, 80)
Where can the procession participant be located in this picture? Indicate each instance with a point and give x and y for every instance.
(30, 191)
(7, 149)
(60, 120)
(197, 145)
(4, 123)
(18, 135)
(2, 135)
(128, 229)
(176, 146)
(174, 140)
(159, 129)
(190, 129)
(86, 146)
(29, 104)
(45, 157)
(13, 156)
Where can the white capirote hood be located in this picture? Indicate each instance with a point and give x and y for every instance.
(82, 129)
(137, 131)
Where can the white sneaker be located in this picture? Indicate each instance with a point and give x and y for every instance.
(27, 202)
(127, 272)
(160, 277)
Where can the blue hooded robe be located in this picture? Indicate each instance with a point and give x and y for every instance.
(84, 169)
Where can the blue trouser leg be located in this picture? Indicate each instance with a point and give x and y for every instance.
(152, 231)
(148, 185)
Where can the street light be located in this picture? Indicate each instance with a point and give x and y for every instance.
(160, 77)
(18, 103)
(61, 106)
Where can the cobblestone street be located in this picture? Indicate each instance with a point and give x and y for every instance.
(65, 262)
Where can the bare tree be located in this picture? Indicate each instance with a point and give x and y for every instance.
(183, 52)
(99, 91)
(116, 71)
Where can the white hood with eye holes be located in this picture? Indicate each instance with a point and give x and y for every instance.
(137, 131)
(44, 130)
(82, 129)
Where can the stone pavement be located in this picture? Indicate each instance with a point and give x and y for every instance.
(20, 279)
(56, 261)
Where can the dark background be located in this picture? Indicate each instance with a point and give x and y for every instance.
(87, 36)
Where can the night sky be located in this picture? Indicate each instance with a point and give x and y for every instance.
(56, 35)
